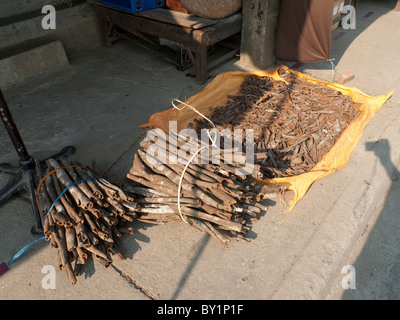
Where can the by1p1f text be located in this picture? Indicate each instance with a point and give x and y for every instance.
(205, 309)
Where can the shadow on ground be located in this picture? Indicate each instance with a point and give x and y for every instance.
(377, 268)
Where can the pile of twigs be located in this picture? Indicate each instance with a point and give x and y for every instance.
(211, 197)
(295, 122)
(83, 214)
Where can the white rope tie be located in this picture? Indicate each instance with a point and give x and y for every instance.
(213, 142)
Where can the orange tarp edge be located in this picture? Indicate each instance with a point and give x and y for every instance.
(216, 94)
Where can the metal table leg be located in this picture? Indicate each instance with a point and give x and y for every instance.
(26, 173)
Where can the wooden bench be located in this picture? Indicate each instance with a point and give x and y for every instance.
(195, 34)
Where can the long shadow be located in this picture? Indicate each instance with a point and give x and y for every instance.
(190, 266)
(378, 265)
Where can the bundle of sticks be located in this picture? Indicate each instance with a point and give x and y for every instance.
(83, 215)
(211, 197)
(295, 122)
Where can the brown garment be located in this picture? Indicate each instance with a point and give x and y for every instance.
(304, 30)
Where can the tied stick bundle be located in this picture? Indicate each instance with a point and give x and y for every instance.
(213, 197)
(295, 123)
(83, 215)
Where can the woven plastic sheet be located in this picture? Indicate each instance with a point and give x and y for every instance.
(217, 92)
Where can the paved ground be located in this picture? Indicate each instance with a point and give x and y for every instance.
(376, 254)
(348, 218)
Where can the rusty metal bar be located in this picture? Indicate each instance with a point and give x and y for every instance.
(12, 130)
(25, 175)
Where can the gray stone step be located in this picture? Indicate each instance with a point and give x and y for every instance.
(76, 27)
(34, 58)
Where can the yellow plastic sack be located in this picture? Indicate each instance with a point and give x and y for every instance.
(228, 83)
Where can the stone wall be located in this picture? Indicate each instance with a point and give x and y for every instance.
(24, 39)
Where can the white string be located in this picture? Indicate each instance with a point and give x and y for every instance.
(333, 69)
(213, 142)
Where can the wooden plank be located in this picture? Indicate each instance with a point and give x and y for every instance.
(134, 23)
(177, 18)
(225, 28)
(201, 56)
(167, 16)
(223, 58)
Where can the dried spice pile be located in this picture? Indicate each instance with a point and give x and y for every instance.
(295, 123)
(213, 197)
(83, 215)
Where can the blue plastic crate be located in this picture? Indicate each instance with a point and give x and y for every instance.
(134, 5)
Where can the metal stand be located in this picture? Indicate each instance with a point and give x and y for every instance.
(26, 174)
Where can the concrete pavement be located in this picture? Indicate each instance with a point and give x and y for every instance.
(97, 104)
(376, 256)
